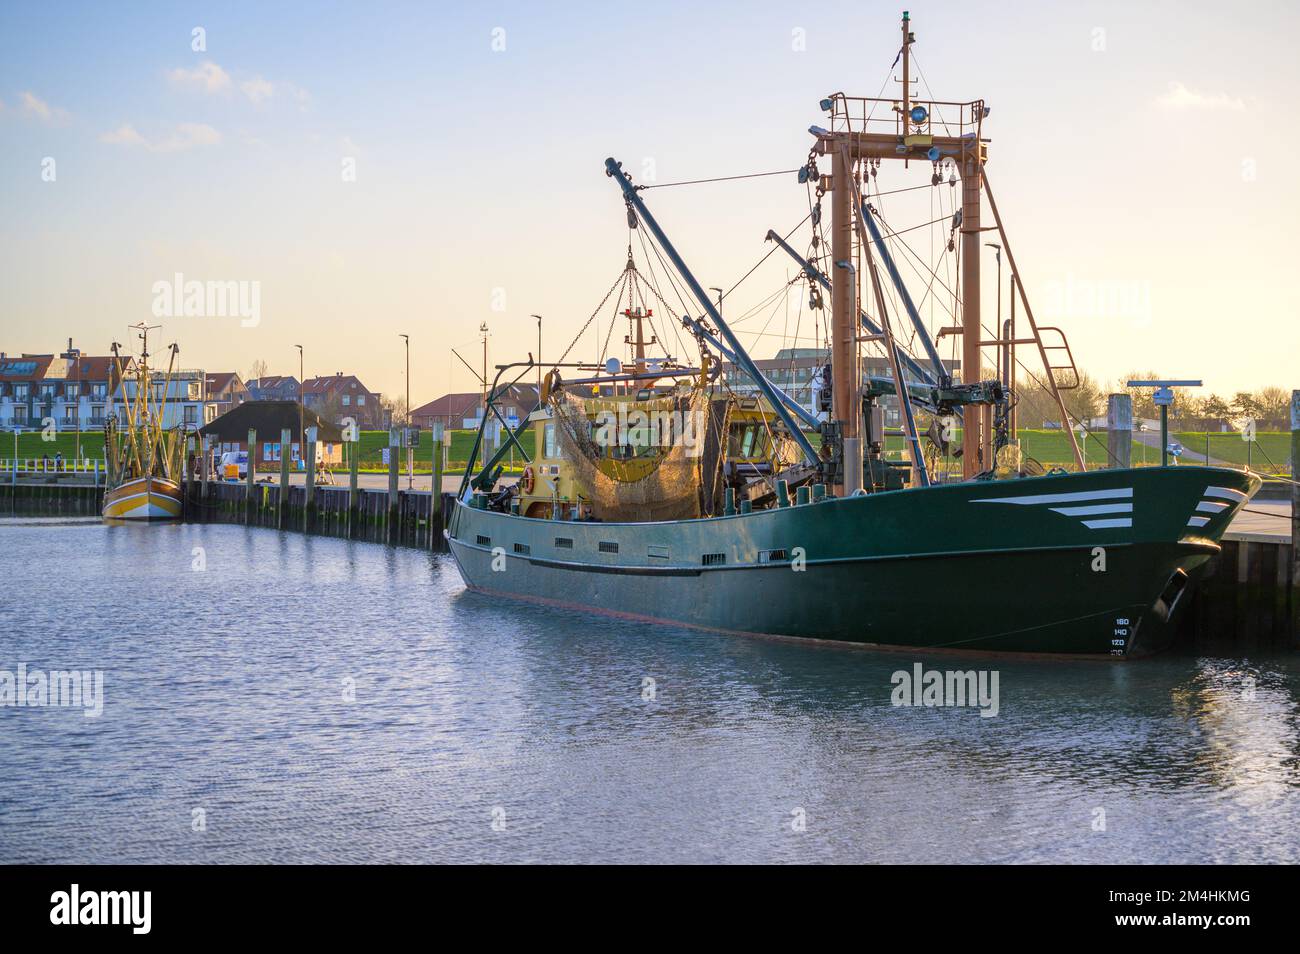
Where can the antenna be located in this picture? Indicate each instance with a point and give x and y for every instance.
(1163, 397)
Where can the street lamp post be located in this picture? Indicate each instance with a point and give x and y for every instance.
(1003, 352)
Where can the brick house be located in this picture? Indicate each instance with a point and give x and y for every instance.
(226, 391)
(342, 396)
(463, 409)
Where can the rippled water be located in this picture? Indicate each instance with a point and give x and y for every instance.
(491, 731)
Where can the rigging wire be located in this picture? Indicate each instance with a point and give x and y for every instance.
(766, 255)
(752, 175)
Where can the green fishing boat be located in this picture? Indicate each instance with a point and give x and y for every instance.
(660, 491)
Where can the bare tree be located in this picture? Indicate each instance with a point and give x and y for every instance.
(257, 370)
(399, 411)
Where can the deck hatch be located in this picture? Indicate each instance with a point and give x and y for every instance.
(713, 559)
(608, 546)
(483, 541)
(563, 543)
(773, 556)
(523, 548)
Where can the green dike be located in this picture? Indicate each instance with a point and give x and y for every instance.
(1051, 447)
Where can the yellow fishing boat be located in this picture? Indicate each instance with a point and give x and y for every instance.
(144, 498)
(144, 458)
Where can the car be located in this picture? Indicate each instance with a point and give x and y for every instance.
(233, 466)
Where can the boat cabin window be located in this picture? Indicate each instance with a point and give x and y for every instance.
(747, 441)
(551, 449)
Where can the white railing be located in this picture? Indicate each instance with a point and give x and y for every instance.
(11, 469)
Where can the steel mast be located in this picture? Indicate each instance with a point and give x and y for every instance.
(912, 136)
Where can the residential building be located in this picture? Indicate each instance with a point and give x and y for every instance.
(793, 370)
(66, 391)
(185, 391)
(273, 387)
(270, 419)
(343, 396)
(465, 409)
(225, 390)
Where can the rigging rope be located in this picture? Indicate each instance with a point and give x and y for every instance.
(752, 175)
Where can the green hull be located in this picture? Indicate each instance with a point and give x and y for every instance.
(1091, 564)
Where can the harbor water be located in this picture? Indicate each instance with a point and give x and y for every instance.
(275, 697)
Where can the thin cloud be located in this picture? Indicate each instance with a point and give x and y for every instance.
(1180, 97)
(37, 108)
(257, 89)
(207, 77)
(260, 90)
(182, 136)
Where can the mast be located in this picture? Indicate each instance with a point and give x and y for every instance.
(910, 134)
(636, 336)
(973, 443)
(908, 39)
(846, 370)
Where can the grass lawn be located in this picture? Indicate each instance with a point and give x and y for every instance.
(1049, 447)
(31, 445)
(1272, 450)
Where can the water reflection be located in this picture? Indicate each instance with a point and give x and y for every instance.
(227, 690)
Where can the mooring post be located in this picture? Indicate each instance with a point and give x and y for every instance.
(309, 504)
(186, 485)
(250, 474)
(286, 454)
(354, 463)
(435, 504)
(203, 469)
(1119, 430)
(1295, 517)
(392, 485)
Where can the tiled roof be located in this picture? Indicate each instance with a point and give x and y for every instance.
(26, 367)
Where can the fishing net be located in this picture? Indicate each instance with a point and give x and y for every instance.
(644, 460)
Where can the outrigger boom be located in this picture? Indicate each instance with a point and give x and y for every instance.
(614, 169)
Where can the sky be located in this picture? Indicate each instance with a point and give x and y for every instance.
(380, 169)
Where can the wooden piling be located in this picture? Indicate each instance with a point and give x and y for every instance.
(1295, 514)
(1119, 430)
(354, 464)
(250, 502)
(286, 455)
(204, 450)
(185, 476)
(435, 501)
(309, 503)
(392, 486)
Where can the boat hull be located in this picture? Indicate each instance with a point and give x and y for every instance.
(1080, 564)
(143, 498)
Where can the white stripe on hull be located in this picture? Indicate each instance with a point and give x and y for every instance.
(143, 499)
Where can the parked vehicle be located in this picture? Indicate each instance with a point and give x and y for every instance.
(233, 466)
